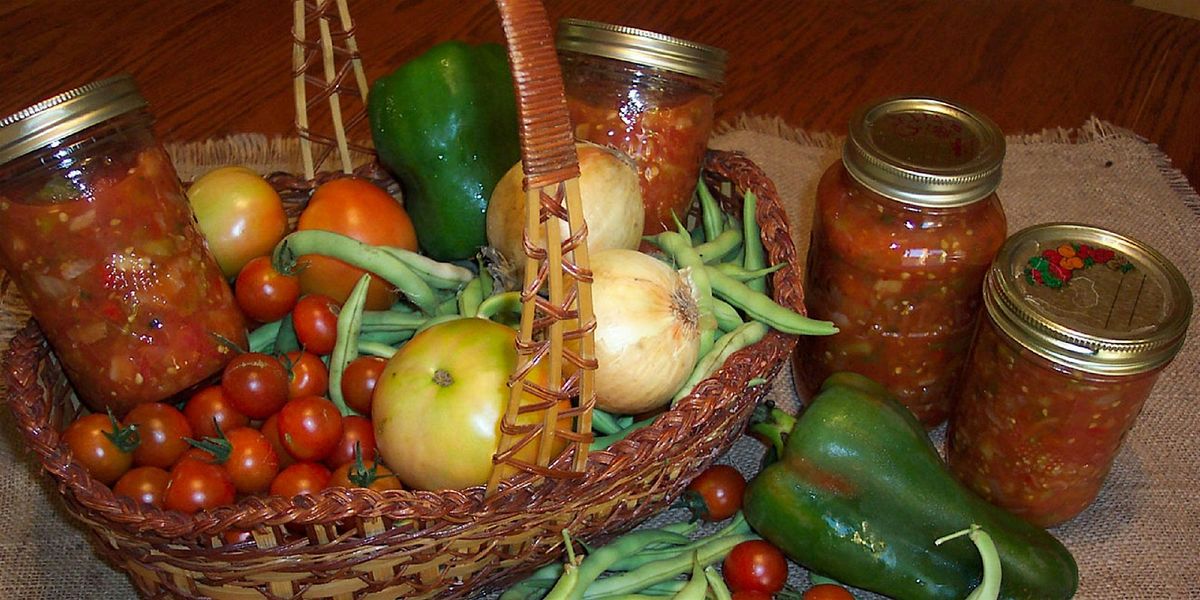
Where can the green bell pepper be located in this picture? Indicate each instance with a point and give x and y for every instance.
(445, 124)
(860, 494)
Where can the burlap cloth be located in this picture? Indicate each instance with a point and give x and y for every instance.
(1141, 539)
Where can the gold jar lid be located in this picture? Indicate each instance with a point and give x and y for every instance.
(1088, 298)
(924, 151)
(642, 47)
(67, 113)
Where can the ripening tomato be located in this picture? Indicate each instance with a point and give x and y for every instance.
(256, 384)
(263, 293)
(300, 478)
(755, 565)
(309, 427)
(827, 591)
(162, 430)
(307, 375)
(716, 493)
(315, 322)
(240, 215)
(358, 382)
(368, 474)
(252, 463)
(145, 485)
(359, 209)
(357, 441)
(196, 486)
(751, 595)
(209, 408)
(438, 404)
(270, 430)
(101, 445)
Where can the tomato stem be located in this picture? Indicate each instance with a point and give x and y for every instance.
(443, 378)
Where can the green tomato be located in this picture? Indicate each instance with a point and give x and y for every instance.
(240, 215)
(438, 403)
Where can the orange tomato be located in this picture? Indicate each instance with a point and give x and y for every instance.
(359, 209)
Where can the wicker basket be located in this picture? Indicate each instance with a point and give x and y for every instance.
(357, 543)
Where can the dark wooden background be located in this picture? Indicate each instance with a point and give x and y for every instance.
(211, 68)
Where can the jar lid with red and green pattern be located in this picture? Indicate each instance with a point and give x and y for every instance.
(1089, 298)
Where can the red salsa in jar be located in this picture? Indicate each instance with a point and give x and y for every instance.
(904, 228)
(648, 95)
(100, 239)
(1080, 324)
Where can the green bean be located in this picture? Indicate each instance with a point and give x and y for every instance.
(447, 307)
(717, 584)
(390, 320)
(744, 335)
(989, 587)
(444, 276)
(565, 587)
(262, 339)
(680, 228)
(345, 349)
(665, 569)
(439, 320)
(375, 259)
(286, 340)
(387, 338)
(602, 443)
(372, 348)
(710, 212)
(738, 272)
(755, 257)
(719, 247)
(727, 316)
(596, 563)
(685, 256)
(537, 583)
(697, 586)
(471, 296)
(493, 305)
(604, 422)
(736, 526)
(762, 308)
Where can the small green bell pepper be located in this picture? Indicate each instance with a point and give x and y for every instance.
(860, 494)
(445, 124)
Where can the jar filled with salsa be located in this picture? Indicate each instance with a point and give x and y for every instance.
(99, 237)
(648, 95)
(905, 226)
(1080, 322)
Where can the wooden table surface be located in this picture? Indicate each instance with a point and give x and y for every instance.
(210, 68)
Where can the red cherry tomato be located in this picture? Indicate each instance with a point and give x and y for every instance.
(196, 486)
(256, 384)
(309, 427)
(755, 565)
(368, 474)
(716, 494)
(146, 485)
(358, 382)
(270, 430)
(300, 478)
(163, 431)
(99, 443)
(356, 432)
(827, 591)
(208, 406)
(307, 375)
(263, 293)
(315, 321)
(252, 463)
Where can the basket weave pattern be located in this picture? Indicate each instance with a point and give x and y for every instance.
(358, 543)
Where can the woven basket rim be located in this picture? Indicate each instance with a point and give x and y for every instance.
(106, 510)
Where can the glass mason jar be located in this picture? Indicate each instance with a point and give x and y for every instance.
(97, 233)
(1080, 324)
(905, 226)
(648, 95)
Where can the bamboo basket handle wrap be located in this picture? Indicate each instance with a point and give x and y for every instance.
(551, 169)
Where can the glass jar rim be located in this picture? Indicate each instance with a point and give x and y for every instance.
(642, 47)
(64, 114)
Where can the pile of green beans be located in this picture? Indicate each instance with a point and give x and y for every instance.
(645, 563)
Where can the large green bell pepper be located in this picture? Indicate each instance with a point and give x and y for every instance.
(860, 494)
(445, 124)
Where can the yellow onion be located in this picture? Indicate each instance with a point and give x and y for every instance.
(647, 339)
(609, 192)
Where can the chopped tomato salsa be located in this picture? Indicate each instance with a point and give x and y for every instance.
(120, 280)
(903, 283)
